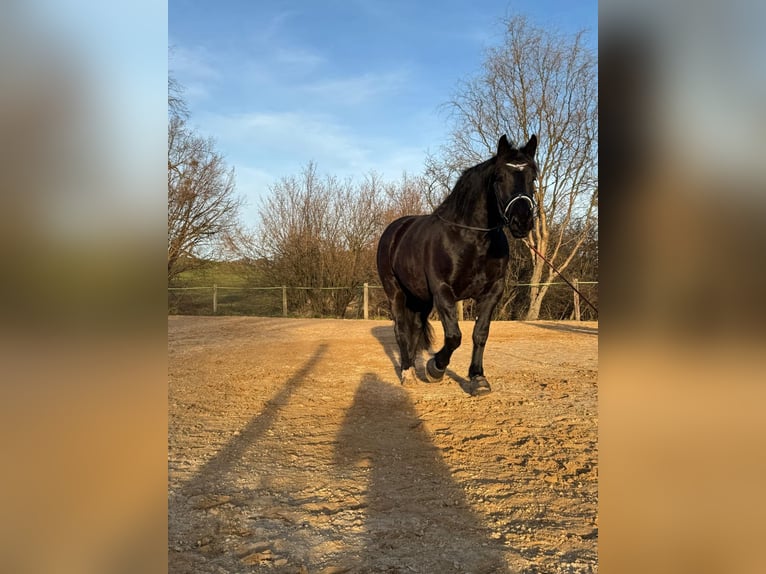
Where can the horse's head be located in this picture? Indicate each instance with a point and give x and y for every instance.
(514, 185)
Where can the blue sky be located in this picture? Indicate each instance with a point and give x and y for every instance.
(353, 85)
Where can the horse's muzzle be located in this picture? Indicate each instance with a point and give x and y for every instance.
(521, 209)
(521, 225)
(518, 231)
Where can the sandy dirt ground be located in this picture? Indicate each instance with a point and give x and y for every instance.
(293, 448)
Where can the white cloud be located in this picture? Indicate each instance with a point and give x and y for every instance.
(196, 62)
(298, 57)
(264, 147)
(195, 69)
(358, 89)
(287, 137)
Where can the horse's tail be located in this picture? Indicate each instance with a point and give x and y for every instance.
(426, 333)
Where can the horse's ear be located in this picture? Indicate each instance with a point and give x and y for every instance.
(503, 147)
(531, 146)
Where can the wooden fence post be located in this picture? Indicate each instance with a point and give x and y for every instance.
(459, 310)
(215, 298)
(366, 299)
(284, 300)
(576, 283)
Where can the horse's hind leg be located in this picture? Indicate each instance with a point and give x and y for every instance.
(404, 329)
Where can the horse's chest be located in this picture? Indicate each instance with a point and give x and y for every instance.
(472, 270)
(478, 274)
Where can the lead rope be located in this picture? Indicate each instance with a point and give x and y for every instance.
(592, 306)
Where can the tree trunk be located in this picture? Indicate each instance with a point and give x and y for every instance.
(537, 292)
(535, 303)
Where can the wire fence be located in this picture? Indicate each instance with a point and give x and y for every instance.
(355, 302)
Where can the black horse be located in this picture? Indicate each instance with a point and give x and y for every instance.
(460, 251)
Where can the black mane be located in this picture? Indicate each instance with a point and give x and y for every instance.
(463, 199)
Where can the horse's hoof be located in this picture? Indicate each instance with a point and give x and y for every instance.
(433, 373)
(408, 377)
(479, 385)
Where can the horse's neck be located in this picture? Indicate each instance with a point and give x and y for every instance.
(482, 210)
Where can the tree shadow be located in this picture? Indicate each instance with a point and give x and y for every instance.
(418, 518)
(216, 481)
(582, 329)
(219, 465)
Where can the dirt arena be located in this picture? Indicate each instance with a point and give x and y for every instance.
(293, 448)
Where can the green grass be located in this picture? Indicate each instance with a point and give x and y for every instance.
(221, 273)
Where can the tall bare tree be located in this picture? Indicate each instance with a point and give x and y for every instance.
(177, 107)
(535, 82)
(203, 207)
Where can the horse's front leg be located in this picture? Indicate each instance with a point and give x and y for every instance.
(444, 301)
(485, 306)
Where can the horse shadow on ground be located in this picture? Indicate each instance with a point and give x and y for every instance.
(581, 329)
(387, 340)
(417, 516)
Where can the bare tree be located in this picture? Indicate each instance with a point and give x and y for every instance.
(177, 107)
(202, 204)
(320, 232)
(203, 207)
(542, 83)
(411, 195)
